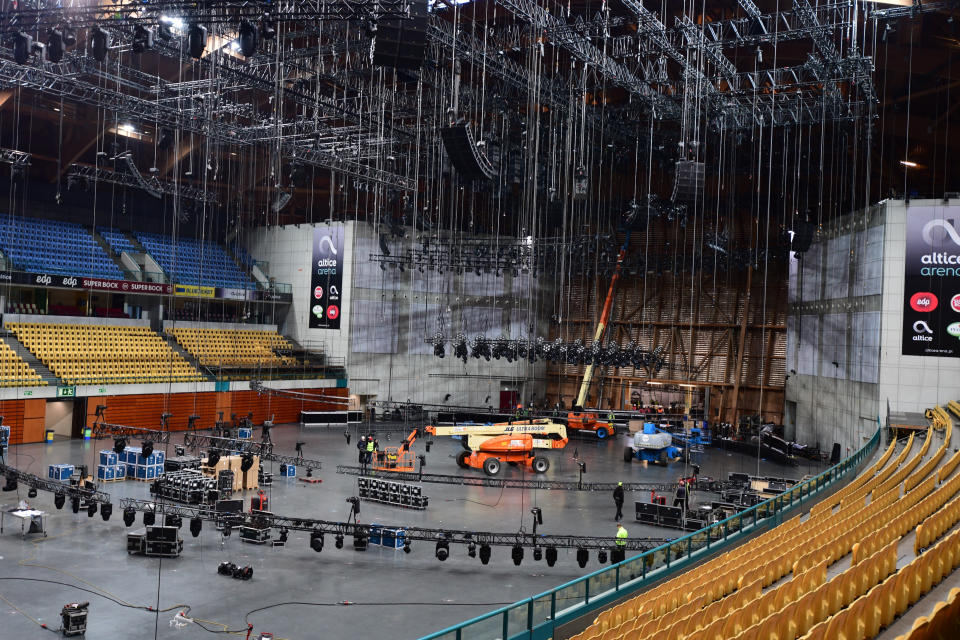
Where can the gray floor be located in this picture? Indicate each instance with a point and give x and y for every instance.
(397, 595)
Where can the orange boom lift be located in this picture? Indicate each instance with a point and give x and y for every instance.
(488, 446)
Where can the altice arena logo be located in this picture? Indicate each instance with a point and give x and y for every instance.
(946, 225)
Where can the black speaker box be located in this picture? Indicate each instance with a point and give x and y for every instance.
(401, 43)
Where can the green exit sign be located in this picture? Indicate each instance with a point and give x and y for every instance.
(28, 392)
(66, 392)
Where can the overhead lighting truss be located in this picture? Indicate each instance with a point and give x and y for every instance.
(135, 180)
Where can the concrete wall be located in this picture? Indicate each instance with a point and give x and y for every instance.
(833, 333)
(910, 383)
(388, 317)
(858, 327)
(289, 251)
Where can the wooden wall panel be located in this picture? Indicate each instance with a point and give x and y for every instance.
(12, 412)
(34, 419)
(145, 410)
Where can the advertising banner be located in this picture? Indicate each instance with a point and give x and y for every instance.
(326, 281)
(194, 291)
(931, 306)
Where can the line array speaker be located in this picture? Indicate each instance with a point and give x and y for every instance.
(401, 43)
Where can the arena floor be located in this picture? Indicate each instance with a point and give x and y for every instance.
(392, 594)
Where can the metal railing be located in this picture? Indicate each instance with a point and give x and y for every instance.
(537, 617)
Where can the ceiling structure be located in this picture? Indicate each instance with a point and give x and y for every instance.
(311, 127)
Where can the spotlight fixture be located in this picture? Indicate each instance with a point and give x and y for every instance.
(266, 29)
(472, 550)
(551, 556)
(69, 36)
(196, 524)
(100, 42)
(406, 545)
(582, 557)
(316, 541)
(22, 47)
(517, 554)
(54, 45)
(129, 515)
(602, 556)
(149, 518)
(213, 457)
(106, 510)
(173, 521)
(443, 550)
(75, 504)
(246, 462)
(92, 509)
(59, 499)
(284, 533)
(146, 449)
(164, 31)
(537, 554)
(11, 484)
(197, 38)
(338, 541)
(247, 38)
(32, 492)
(119, 444)
(142, 39)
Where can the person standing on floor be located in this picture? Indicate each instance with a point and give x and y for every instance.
(618, 500)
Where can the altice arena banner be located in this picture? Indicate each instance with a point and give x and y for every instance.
(326, 281)
(931, 311)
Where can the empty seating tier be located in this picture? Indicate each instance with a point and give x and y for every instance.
(724, 598)
(48, 246)
(94, 354)
(190, 261)
(235, 348)
(14, 372)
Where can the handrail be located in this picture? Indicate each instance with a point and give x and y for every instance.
(537, 617)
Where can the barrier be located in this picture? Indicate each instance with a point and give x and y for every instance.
(537, 617)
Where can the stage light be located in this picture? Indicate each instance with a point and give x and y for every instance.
(92, 509)
(196, 524)
(246, 462)
(69, 36)
(129, 515)
(142, 39)
(266, 29)
(472, 550)
(22, 47)
(174, 521)
(582, 557)
(75, 504)
(197, 38)
(119, 444)
(602, 556)
(213, 457)
(283, 469)
(247, 38)
(316, 541)
(517, 554)
(100, 42)
(406, 545)
(54, 45)
(443, 550)
(537, 554)
(149, 517)
(908, 163)
(146, 449)
(32, 492)
(59, 499)
(338, 541)
(106, 510)
(551, 556)
(359, 542)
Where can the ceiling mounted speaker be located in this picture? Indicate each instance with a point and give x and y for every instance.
(100, 43)
(247, 38)
(464, 153)
(688, 181)
(401, 43)
(197, 39)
